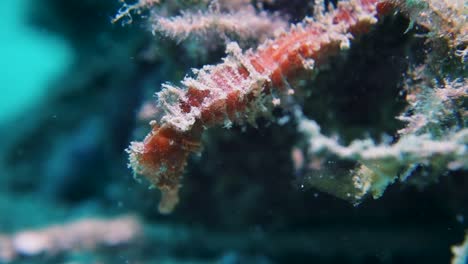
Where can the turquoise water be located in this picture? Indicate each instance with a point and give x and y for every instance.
(31, 59)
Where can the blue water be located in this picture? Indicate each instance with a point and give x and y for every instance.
(30, 59)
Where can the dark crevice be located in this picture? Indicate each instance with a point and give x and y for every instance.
(361, 89)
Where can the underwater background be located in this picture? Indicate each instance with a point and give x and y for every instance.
(77, 89)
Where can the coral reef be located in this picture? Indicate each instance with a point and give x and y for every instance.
(435, 137)
(248, 85)
(242, 88)
(282, 183)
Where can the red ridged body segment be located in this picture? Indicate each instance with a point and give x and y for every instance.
(231, 90)
(384, 8)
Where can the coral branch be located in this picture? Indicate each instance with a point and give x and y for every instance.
(126, 10)
(245, 24)
(239, 89)
(460, 252)
(435, 137)
(380, 164)
(84, 234)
